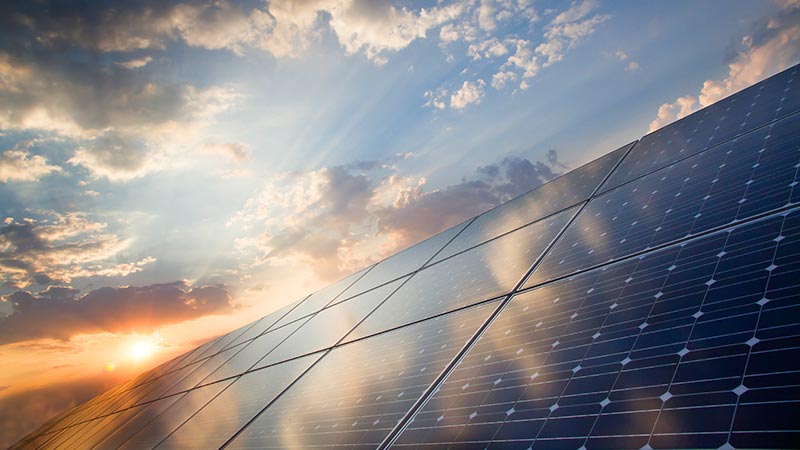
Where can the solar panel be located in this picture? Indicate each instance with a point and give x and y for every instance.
(549, 198)
(330, 325)
(660, 313)
(771, 99)
(485, 272)
(681, 347)
(402, 263)
(170, 418)
(263, 324)
(215, 423)
(253, 352)
(750, 175)
(321, 298)
(354, 396)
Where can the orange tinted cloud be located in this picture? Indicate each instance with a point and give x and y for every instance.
(60, 312)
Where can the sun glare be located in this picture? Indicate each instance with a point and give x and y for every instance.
(142, 349)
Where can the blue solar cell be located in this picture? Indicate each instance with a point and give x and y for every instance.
(488, 271)
(750, 175)
(669, 350)
(355, 395)
(771, 99)
(561, 193)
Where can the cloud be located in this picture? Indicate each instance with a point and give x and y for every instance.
(436, 99)
(338, 219)
(137, 63)
(61, 313)
(20, 165)
(121, 123)
(489, 48)
(773, 45)
(527, 54)
(235, 151)
(567, 29)
(469, 93)
(378, 27)
(500, 79)
(631, 65)
(51, 251)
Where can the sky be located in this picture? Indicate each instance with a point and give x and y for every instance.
(170, 170)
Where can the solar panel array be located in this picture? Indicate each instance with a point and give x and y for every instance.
(649, 299)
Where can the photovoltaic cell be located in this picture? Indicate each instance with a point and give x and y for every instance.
(253, 352)
(685, 347)
(744, 111)
(750, 175)
(321, 298)
(556, 195)
(170, 418)
(264, 324)
(402, 263)
(484, 272)
(330, 325)
(235, 406)
(356, 394)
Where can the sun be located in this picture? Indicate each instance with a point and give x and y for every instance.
(142, 349)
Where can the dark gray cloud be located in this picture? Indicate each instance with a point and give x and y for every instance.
(61, 312)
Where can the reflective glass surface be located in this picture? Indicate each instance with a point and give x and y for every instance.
(556, 195)
(744, 111)
(681, 348)
(264, 324)
(484, 272)
(402, 263)
(236, 405)
(750, 175)
(330, 325)
(356, 394)
(321, 298)
(253, 352)
(162, 424)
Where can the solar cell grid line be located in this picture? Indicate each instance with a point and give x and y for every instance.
(405, 262)
(748, 176)
(252, 352)
(90, 409)
(378, 378)
(265, 323)
(329, 326)
(668, 336)
(322, 297)
(751, 108)
(133, 420)
(226, 413)
(558, 194)
(159, 426)
(73, 415)
(490, 270)
(437, 384)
